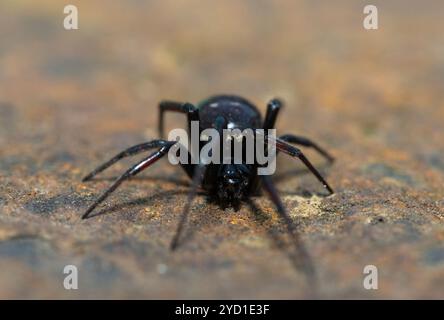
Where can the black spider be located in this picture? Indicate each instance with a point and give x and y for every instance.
(229, 184)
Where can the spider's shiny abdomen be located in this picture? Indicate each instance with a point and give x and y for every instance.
(239, 112)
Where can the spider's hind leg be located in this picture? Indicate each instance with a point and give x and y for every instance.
(185, 108)
(273, 108)
(192, 115)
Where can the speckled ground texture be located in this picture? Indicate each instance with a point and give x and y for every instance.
(72, 99)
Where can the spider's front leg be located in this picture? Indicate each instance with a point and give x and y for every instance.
(132, 151)
(295, 152)
(292, 151)
(198, 176)
(306, 143)
(135, 169)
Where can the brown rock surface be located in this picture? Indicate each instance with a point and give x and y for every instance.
(71, 99)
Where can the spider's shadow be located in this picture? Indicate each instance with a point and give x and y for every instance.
(280, 240)
(291, 247)
(142, 201)
(170, 179)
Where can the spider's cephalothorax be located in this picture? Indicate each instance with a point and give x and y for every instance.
(230, 183)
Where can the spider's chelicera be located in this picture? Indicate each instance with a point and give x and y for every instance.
(229, 178)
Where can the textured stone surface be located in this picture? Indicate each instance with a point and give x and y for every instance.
(70, 100)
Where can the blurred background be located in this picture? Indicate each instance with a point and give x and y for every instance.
(71, 99)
